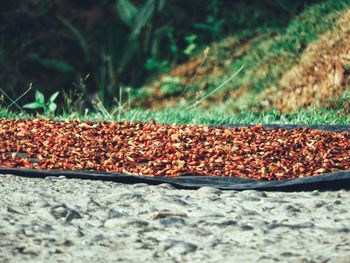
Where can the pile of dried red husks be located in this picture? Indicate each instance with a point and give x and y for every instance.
(172, 150)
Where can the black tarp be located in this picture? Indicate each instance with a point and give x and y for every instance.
(329, 181)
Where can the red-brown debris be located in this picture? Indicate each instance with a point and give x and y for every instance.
(172, 150)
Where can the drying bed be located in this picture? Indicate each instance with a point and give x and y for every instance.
(175, 153)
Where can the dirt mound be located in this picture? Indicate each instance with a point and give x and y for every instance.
(322, 73)
(317, 74)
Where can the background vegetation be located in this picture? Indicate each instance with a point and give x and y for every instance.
(106, 56)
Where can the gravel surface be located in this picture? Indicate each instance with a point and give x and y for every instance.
(69, 220)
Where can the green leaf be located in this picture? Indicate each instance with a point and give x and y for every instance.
(39, 97)
(33, 106)
(57, 65)
(161, 4)
(52, 107)
(191, 38)
(144, 16)
(54, 96)
(133, 44)
(189, 50)
(52, 63)
(127, 11)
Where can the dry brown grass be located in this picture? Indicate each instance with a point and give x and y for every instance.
(322, 73)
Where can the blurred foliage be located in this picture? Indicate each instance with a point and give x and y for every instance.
(54, 44)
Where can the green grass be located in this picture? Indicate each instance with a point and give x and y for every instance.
(200, 117)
